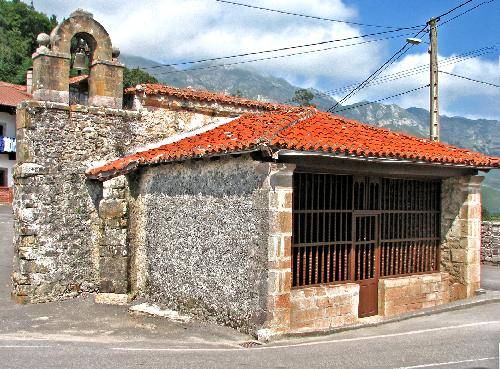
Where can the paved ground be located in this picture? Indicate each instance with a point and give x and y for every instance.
(77, 333)
(490, 277)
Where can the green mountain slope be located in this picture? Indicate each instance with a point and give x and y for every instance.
(480, 135)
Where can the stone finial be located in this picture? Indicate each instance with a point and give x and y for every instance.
(115, 52)
(43, 39)
(81, 13)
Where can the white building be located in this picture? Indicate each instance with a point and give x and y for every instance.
(10, 96)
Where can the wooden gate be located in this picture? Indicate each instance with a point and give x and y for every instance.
(366, 262)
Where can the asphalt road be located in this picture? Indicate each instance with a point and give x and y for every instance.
(79, 334)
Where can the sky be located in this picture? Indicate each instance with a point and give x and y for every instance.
(172, 31)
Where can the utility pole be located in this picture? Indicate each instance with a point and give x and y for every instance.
(434, 102)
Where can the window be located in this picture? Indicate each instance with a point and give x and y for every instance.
(3, 177)
(2, 129)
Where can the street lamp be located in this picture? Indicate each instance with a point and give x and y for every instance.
(414, 41)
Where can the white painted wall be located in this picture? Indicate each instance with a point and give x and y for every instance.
(9, 123)
(9, 164)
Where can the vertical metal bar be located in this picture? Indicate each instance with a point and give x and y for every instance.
(304, 266)
(345, 263)
(335, 265)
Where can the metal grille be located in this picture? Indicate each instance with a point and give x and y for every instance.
(410, 219)
(322, 228)
(365, 247)
(401, 217)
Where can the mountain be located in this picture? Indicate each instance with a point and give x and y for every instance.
(477, 134)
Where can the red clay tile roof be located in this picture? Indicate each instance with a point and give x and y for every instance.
(12, 95)
(201, 95)
(306, 130)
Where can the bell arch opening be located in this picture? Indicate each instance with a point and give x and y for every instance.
(82, 49)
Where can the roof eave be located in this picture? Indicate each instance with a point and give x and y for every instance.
(106, 175)
(287, 152)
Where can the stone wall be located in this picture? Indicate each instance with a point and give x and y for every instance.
(490, 241)
(400, 295)
(206, 235)
(57, 225)
(461, 234)
(324, 307)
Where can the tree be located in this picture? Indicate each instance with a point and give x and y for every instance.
(136, 76)
(20, 24)
(303, 97)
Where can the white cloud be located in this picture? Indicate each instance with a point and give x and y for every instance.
(179, 30)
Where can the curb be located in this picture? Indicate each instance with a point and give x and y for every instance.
(453, 306)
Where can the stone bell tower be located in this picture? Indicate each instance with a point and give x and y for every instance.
(54, 57)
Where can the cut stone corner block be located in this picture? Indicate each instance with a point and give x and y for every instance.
(112, 298)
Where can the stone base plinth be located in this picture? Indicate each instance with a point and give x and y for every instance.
(112, 298)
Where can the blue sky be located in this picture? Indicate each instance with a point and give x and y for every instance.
(178, 30)
(478, 27)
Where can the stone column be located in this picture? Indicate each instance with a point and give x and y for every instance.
(461, 234)
(106, 84)
(279, 250)
(113, 246)
(51, 76)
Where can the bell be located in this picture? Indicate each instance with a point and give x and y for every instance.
(80, 63)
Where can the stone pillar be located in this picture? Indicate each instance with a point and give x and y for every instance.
(51, 76)
(106, 84)
(461, 234)
(114, 257)
(279, 250)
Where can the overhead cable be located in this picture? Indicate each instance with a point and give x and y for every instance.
(385, 98)
(276, 56)
(469, 79)
(418, 69)
(465, 12)
(384, 66)
(310, 16)
(453, 9)
(272, 50)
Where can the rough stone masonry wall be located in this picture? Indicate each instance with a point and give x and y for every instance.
(57, 227)
(461, 234)
(400, 295)
(490, 241)
(206, 235)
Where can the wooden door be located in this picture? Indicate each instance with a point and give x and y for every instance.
(366, 262)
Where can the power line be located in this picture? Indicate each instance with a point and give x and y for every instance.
(385, 98)
(465, 12)
(384, 66)
(276, 56)
(469, 79)
(310, 16)
(418, 69)
(400, 53)
(453, 9)
(272, 51)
